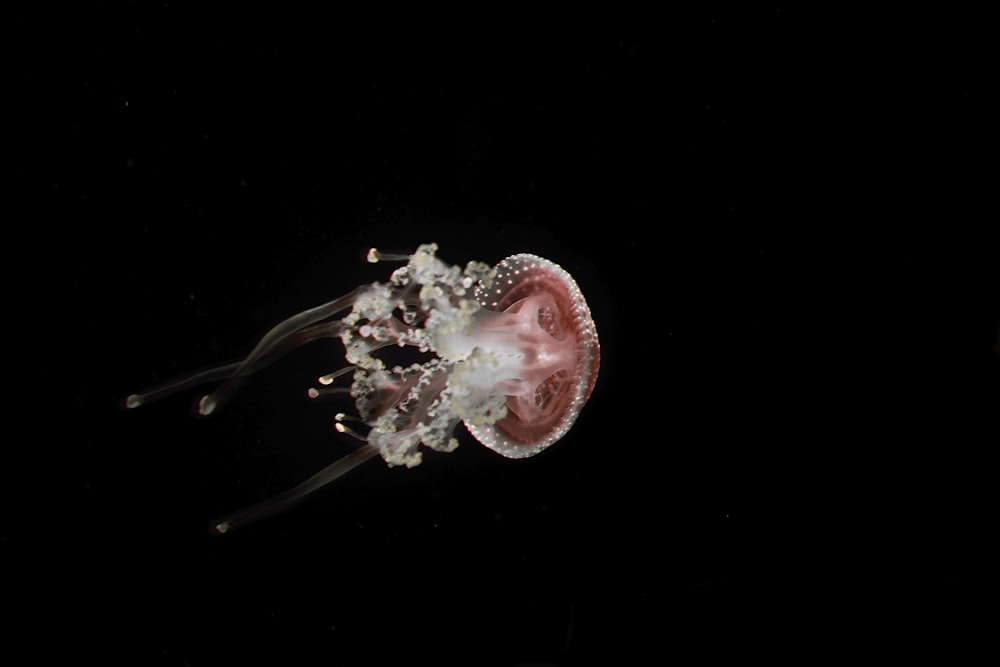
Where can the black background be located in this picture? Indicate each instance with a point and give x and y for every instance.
(778, 220)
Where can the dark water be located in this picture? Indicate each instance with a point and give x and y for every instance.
(779, 229)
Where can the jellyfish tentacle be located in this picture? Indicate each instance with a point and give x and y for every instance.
(296, 494)
(289, 327)
(156, 393)
(330, 377)
(375, 256)
(347, 430)
(316, 392)
(227, 371)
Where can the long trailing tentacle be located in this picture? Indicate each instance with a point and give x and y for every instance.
(281, 339)
(296, 494)
(292, 325)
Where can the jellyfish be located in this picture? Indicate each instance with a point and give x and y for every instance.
(510, 351)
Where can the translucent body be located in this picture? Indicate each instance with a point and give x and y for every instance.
(514, 356)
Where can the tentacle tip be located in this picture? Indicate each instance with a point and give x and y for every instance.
(221, 528)
(133, 401)
(206, 405)
(312, 392)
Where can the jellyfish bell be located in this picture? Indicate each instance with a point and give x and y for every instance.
(510, 351)
(554, 354)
